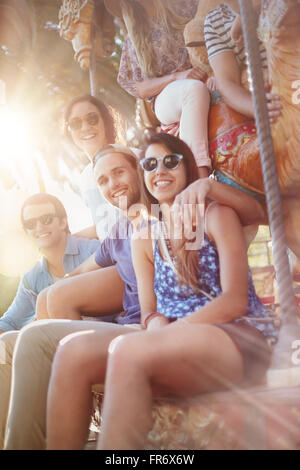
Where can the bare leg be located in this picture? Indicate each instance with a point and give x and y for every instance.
(291, 212)
(190, 106)
(80, 362)
(95, 293)
(182, 360)
(250, 232)
(33, 356)
(295, 263)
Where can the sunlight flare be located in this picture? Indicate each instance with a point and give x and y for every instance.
(15, 135)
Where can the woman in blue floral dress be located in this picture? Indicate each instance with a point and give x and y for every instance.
(204, 328)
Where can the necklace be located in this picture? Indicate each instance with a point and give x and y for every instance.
(166, 246)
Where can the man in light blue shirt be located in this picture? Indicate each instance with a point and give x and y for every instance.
(45, 221)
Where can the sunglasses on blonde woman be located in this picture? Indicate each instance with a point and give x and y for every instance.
(170, 162)
(75, 124)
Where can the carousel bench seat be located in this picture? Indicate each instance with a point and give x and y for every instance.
(257, 418)
(264, 417)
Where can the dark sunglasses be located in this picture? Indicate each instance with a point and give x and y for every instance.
(75, 124)
(45, 219)
(170, 162)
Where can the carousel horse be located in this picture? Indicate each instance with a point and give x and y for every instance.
(234, 145)
(233, 139)
(217, 421)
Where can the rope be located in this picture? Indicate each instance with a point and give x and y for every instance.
(273, 199)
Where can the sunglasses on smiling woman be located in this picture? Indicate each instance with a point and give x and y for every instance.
(46, 219)
(75, 124)
(170, 162)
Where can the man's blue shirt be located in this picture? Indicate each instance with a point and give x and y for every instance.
(22, 310)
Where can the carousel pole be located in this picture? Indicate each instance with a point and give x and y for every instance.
(77, 24)
(282, 371)
(93, 62)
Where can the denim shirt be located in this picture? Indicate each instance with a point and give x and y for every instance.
(22, 310)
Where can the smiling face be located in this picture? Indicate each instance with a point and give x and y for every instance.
(44, 236)
(164, 184)
(118, 180)
(89, 137)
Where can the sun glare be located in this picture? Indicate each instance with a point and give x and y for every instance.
(18, 149)
(14, 134)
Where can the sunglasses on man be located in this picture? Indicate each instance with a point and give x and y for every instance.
(46, 219)
(170, 162)
(75, 124)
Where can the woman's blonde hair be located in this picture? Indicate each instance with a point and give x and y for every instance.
(137, 25)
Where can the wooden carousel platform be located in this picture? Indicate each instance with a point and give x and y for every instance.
(242, 419)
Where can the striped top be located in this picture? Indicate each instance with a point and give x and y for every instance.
(217, 28)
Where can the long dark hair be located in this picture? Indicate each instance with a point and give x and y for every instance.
(105, 113)
(187, 265)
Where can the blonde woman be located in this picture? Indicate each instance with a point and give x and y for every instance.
(155, 66)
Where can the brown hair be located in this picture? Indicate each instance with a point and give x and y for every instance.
(187, 266)
(105, 113)
(44, 198)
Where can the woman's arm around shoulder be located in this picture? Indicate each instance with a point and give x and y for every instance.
(249, 210)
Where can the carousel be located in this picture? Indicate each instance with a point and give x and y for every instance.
(265, 161)
(262, 160)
